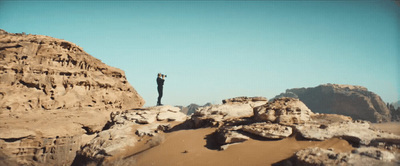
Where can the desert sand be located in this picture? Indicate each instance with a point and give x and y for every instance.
(190, 147)
(393, 127)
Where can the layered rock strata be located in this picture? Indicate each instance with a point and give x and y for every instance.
(40, 72)
(350, 100)
(53, 98)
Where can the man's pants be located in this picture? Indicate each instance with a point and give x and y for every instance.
(160, 94)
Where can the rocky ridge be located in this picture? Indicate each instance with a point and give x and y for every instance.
(350, 100)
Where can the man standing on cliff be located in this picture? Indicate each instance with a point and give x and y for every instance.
(160, 84)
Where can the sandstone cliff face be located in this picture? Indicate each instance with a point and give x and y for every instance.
(54, 97)
(41, 72)
(354, 101)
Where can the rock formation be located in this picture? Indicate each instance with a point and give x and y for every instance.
(283, 111)
(357, 132)
(354, 101)
(284, 117)
(360, 156)
(126, 129)
(54, 97)
(215, 115)
(40, 72)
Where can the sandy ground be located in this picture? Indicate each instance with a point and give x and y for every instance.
(393, 127)
(190, 147)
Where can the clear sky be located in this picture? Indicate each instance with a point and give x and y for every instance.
(216, 50)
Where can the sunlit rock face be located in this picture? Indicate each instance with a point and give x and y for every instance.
(54, 97)
(354, 101)
(41, 72)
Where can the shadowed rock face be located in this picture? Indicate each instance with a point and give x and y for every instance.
(41, 72)
(354, 101)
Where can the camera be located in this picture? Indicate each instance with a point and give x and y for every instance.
(162, 75)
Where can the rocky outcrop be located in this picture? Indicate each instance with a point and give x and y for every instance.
(126, 129)
(215, 115)
(43, 73)
(284, 111)
(354, 101)
(54, 97)
(356, 132)
(148, 115)
(359, 156)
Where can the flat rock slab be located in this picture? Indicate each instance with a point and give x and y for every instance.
(358, 157)
(354, 131)
(268, 130)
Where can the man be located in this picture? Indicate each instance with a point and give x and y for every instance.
(160, 84)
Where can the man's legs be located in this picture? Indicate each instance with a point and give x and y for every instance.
(160, 94)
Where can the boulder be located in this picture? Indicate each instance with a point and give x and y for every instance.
(284, 111)
(108, 143)
(215, 115)
(350, 100)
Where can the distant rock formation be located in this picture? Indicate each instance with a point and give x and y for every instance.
(40, 72)
(190, 109)
(396, 104)
(394, 111)
(354, 101)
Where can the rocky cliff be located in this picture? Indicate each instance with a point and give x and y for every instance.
(354, 101)
(54, 97)
(41, 72)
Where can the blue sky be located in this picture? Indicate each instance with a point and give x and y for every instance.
(213, 50)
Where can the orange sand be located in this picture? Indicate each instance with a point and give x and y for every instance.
(188, 147)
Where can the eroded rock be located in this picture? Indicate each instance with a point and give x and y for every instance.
(356, 132)
(284, 111)
(360, 156)
(52, 96)
(214, 115)
(40, 72)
